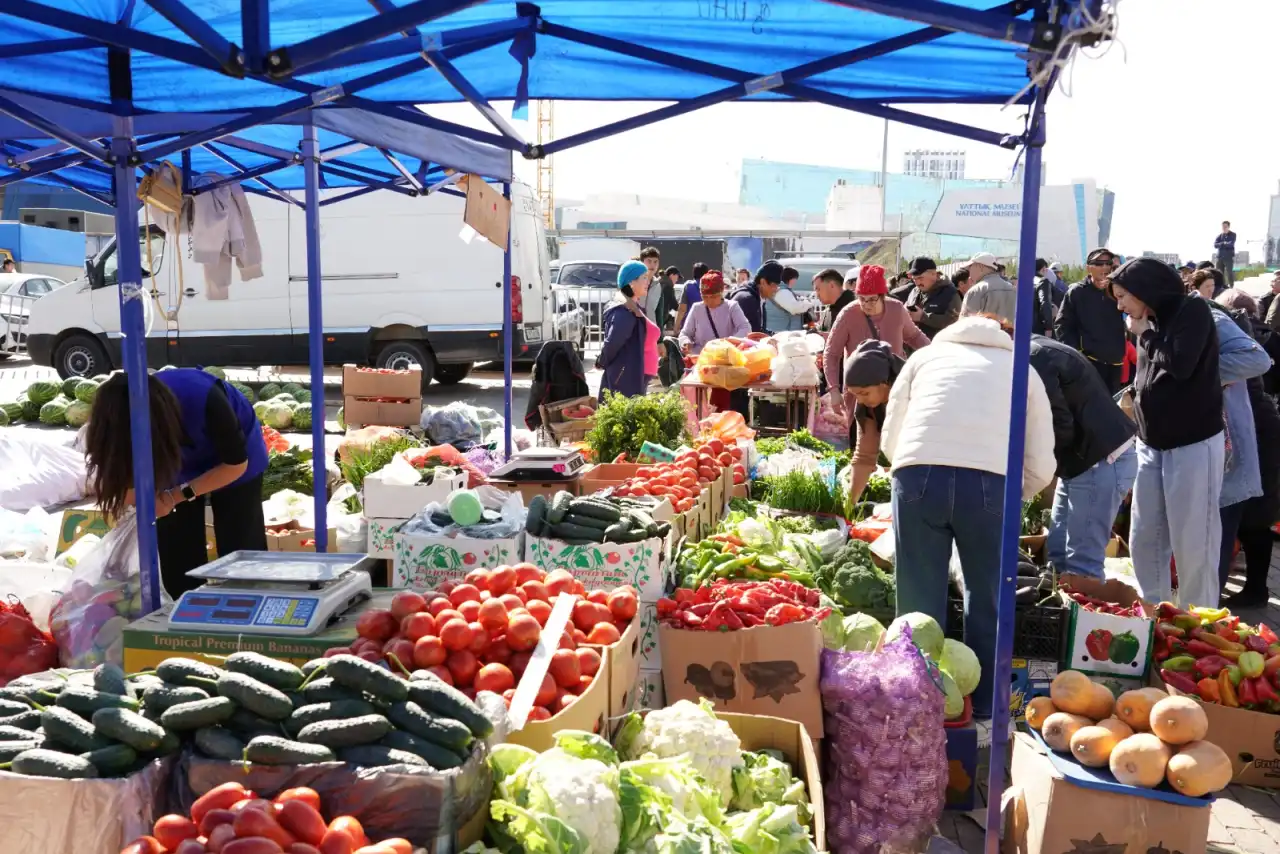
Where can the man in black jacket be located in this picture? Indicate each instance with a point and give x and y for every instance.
(1090, 322)
(1042, 317)
(1097, 465)
(935, 303)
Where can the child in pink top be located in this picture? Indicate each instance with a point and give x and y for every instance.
(651, 335)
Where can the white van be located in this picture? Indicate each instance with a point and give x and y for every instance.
(400, 288)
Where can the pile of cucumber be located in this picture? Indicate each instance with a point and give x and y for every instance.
(581, 521)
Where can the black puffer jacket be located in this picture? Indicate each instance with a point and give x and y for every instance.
(1087, 424)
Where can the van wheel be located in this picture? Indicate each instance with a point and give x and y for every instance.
(453, 374)
(80, 356)
(404, 355)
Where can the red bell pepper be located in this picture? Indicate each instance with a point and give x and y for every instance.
(1247, 696)
(1263, 691)
(1200, 649)
(1098, 643)
(1210, 666)
(1264, 632)
(1255, 643)
(1181, 681)
(1207, 690)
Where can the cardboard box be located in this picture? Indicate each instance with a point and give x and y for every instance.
(603, 475)
(763, 670)
(149, 640)
(601, 566)
(298, 540)
(1046, 814)
(384, 500)
(793, 741)
(382, 534)
(360, 412)
(422, 562)
(648, 693)
(962, 767)
(357, 382)
(78, 521)
(547, 489)
(650, 653)
(589, 713)
(1250, 739)
(740, 490)
(623, 669)
(1106, 628)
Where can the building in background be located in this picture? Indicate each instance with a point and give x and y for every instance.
(1164, 257)
(925, 163)
(1273, 233)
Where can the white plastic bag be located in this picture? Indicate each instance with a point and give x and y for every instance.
(399, 472)
(352, 528)
(39, 473)
(28, 536)
(36, 585)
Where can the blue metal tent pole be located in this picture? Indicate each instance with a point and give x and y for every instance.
(133, 348)
(1013, 468)
(315, 328)
(507, 325)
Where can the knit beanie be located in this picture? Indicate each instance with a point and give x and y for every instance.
(712, 283)
(871, 281)
(629, 272)
(869, 365)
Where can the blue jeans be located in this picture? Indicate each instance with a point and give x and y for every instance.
(934, 506)
(1084, 509)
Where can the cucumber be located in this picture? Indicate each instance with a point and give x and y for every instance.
(128, 728)
(246, 724)
(643, 521)
(438, 757)
(256, 696)
(197, 713)
(348, 732)
(15, 733)
(27, 720)
(13, 707)
(11, 748)
(377, 755)
(109, 678)
(586, 522)
(277, 674)
(274, 750)
(569, 531)
(360, 675)
(49, 763)
(156, 698)
(331, 711)
(446, 701)
(559, 507)
(602, 510)
(179, 671)
(313, 665)
(169, 744)
(537, 515)
(112, 760)
(142, 682)
(218, 743)
(85, 701)
(411, 717)
(66, 727)
(325, 690)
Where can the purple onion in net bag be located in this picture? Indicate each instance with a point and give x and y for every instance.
(885, 749)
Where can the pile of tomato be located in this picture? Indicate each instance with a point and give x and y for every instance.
(479, 632)
(683, 479)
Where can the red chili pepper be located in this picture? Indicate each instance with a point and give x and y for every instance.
(1181, 681)
(1263, 690)
(667, 607)
(693, 621)
(701, 609)
(1200, 649)
(702, 595)
(685, 596)
(781, 615)
(1246, 693)
(751, 621)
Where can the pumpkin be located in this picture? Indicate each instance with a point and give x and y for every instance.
(1101, 703)
(1198, 769)
(1119, 727)
(1092, 745)
(1072, 692)
(1179, 720)
(1140, 760)
(1060, 727)
(1037, 710)
(1134, 707)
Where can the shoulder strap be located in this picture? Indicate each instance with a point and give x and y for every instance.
(715, 331)
(871, 324)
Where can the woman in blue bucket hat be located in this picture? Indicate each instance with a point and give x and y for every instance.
(622, 354)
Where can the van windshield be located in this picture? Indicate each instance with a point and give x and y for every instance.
(589, 274)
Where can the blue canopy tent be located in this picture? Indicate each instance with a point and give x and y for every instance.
(246, 63)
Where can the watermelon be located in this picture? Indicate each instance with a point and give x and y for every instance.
(30, 409)
(43, 391)
(291, 389)
(78, 414)
(244, 390)
(303, 396)
(101, 378)
(87, 391)
(54, 413)
(217, 372)
(342, 421)
(12, 412)
(302, 417)
(69, 386)
(277, 415)
(268, 391)
(4, 419)
(284, 398)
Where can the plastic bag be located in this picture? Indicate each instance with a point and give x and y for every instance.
(36, 585)
(434, 520)
(830, 424)
(105, 595)
(726, 426)
(757, 362)
(722, 353)
(885, 748)
(26, 536)
(446, 455)
(24, 647)
(723, 376)
(352, 528)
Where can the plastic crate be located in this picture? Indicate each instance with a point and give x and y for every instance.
(1040, 631)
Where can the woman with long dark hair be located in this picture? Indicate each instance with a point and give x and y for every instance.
(206, 447)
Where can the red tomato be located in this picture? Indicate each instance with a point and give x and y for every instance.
(443, 673)
(587, 614)
(528, 572)
(600, 597)
(438, 604)
(565, 701)
(523, 632)
(493, 615)
(622, 604)
(455, 635)
(144, 845)
(470, 610)
(567, 641)
(406, 602)
(511, 600)
(538, 713)
(310, 797)
(418, 625)
(464, 593)
(428, 652)
(579, 637)
(302, 821)
(501, 580)
(565, 668)
(498, 651)
(715, 446)
(220, 797)
(463, 666)
(255, 822)
(444, 587)
(604, 634)
(585, 684)
(365, 645)
(171, 830)
(521, 594)
(559, 581)
(588, 661)
(446, 615)
(402, 649)
(535, 590)
(352, 827)
(479, 638)
(540, 611)
(336, 650)
(377, 624)
(485, 596)
(495, 677)
(478, 577)
(546, 691)
(371, 655)
(519, 662)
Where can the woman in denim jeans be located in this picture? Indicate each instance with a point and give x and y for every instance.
(946, 432)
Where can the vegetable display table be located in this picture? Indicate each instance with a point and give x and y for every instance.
(808, 395)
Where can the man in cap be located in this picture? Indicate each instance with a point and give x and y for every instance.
(851, 277)
(1090, 321)
(990, 293)
(935, 303)
(751, 296)
(1059, 286)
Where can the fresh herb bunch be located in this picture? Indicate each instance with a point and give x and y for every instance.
(805, 524)
(802, 492)
(289, 469)
(624, 423)
(770, 445)
(364, 461)
(879, 489)
(808, 441)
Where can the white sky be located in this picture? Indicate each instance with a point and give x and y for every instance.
(1180, 119)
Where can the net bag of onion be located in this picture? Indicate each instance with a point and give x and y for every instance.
(885, 748)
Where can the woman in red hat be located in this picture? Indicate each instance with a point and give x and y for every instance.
(873, 317)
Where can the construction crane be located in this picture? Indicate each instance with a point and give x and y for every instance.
(546, 165)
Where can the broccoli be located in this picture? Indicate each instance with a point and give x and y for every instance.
(854, 581)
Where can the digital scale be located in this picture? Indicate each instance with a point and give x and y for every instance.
(541, 465)
(273, 593)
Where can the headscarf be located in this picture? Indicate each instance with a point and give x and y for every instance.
(872, 363)
(871, 281)
(712, 283)
(629, 272)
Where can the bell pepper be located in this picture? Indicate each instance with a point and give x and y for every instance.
(1182, 664)
(1227, 690)
(1161, 650)
(1210, 666)
(1177, 646)
(1200, 649)
(1166, 611)
(1216, 640)
(1234, 674)
(1264, 692)
(1123, 648)
(1186, 622)
(1098, 644)
(1272, 665)
(1265, 632)
(1251, 664)
(1170, 630)
(1254, 643)
(1211, 615)
(1207, 690)
(1181, 681)
(1248, 698)
(1224, 629)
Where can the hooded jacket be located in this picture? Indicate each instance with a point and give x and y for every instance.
(1240, 359)
(1177, 388)
(950, 407)
(748, 299)
(622, 352)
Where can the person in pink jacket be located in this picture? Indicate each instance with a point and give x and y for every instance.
(873, 316)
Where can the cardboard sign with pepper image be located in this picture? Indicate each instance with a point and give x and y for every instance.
(1107, 643)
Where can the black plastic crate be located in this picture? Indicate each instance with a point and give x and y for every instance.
(1040, 631)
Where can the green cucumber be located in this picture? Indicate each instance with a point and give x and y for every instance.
(49, 763)
(643, 521)
(256, 696)
(360, 675)
(602, 510)
(586, 522)
(446, 701)
(331, 711)
(411, 717)
(156, 698)
(109, 678)
(13, 707)
(27, 720)
(348, 732)
(218, 743)
(66, 727)
(197, 713)
(537, 515)
(277, 674)
(377, 755)
(14, 733)
(11, 748)
(85, 701)
(438, 757)
(180, 671)
(325, 690)
(247, 724)
(129, 728)
(622, 532)
(569, 531)
(169, 744)
(112, 760)
(312, 666)
(559, 507)
(274, 750)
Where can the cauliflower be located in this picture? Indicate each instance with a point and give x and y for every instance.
(676, 778)
(691, 729)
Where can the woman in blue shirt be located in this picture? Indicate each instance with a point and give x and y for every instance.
(207, 446)
(622, 352)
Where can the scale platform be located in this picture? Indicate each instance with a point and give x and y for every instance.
(539, 465)
(273, 593)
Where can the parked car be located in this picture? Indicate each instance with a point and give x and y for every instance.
(568, 319)
(17, 292)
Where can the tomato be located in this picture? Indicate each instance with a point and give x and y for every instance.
(470, 610)
(428, 651)
(528, 572)
(521, 594)
(144, 845)
(302, 821)
(623, 605)
(418, 625)
(588, 661)
(455, 635)
(501, 580)
(559, 581)
(442, 673)
(350, 826)
(377, 624)
(402, 649)
(463, 666)
(479, 578)
(604, 634)
(715, 445)
(585, 683)
(565, 668)
(171, 830)
(479, 638)
(538, 713)
(540, 611)
(492, 615)
(447, 615)
(535, 590)
(396, 845)
(567, 641)
(406, 602)
(523, 632)
(218, 798)
(600, 597)
(371, 655)
(464, 593)
(510, 601)
(498, 651)
(308, 796)
(438, 604)
(256, 822)
(213, 818)
(336, 650)
(219, 837)
(579, 637)
(736, 453)
(519, 662)
(565, 701)
(586, 614)
(365, 645)
(495, 677)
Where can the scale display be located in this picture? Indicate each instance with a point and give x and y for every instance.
(205, 607)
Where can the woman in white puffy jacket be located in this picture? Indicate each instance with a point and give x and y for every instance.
(946, 433)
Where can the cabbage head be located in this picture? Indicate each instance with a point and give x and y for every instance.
(861, 632)
(961, 664)
(955, 699)
(260, 410)
(925, 632)
(277, 415)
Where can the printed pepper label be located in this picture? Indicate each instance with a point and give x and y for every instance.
(1123, 648)
(1098, 644)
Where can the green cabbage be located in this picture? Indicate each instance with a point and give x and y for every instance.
(77, 414)
(43, 391)
(260, 409)
(861, 632)
(770, 829)
(925, 631)
(277, 415)
(87, 390)
(54, 413)
(961, 664)
(955, 699)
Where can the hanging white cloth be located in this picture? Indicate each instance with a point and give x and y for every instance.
(222, 228)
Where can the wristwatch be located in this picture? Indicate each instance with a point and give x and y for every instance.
(188, 494)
